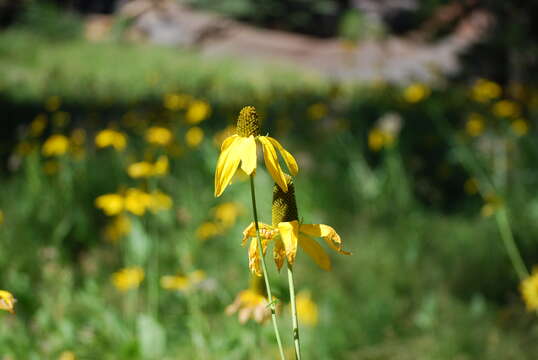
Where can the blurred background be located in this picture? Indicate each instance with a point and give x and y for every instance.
(413, 123)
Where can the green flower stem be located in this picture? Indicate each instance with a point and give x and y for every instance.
(508, 239)
(294, 319)
(264, 267)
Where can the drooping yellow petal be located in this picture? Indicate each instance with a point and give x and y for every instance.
(279, 253)
(327, 233)
(267, 232)
(248, 155)
(227, 165)
(271, 162)
(315, 251)
(254, 262)
(227, 142)
(288, 158)
(289, 232)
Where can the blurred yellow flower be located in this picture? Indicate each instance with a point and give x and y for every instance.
(198, 111)
(520, 127)
(53, 103)
(128, 278)
(158, 135)
(183, 283)
(492, 204)
(109, 137)
(471, 186)
(7, 301)
(251, 303)
(475, 124)
(377, 139)
(117, 228)
(160, 201)
(55, 145)
(307, 310)
(317, 111)
(207, 229)
(529, 290)
(137, 201)
(111, 204)
(506, 108)
(67, 355)
(51, 167)
(161, 166)
(415, 93)
(38, 125)
(194, 136)
(484, 90)
(140, 169)
(176, 102)
(227, 213)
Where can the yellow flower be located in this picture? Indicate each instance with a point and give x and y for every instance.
(485, 90)
(160, 201)
(109, 137)
(161, 166)
(415, 93)
(140, 169)
(492, 204)
(38, 125)
(137, 201)
(175, 102)
(207, 229)
(111, 204)
(529, 290)
(53, 103)
(307, 310)
(227, 213)
(128, 278)
(55, 145)
(317, 111)
(159, 135)
(506, 108)
(287, 233)
(194, 136)
(475, 124)
(377, 139)
(520, 127)
(183, 283)
(239, 150)
(7, 301)
(67, 355)
(251, 303)
(117, 228)
(198, 111)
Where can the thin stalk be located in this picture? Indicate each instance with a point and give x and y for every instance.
(264, 268)
(294, 319)
(511, 248)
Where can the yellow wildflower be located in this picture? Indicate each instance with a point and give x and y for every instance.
(492, 204)
(485, 90)
(198, 111)
(227, 213)
(7, 301)
(239, 150)
(317, 111)
(415, 93)
(137, 201)
(520, 127)
(67, 355)
(53, 103)
(140, 169)
(529, 290)
(117, 228)
(128, 278)
(506, 108)
(111, 204)
(287, 232)
(109, 137)
(475, 124)
(194, 136)
(55, 145)
(176, 102)
(183, 283)
(376, 139)
(251, 303)
(158, 135)
(207, 229)
(160, 201)
(307, 309)
(160, 167)
(38, 125)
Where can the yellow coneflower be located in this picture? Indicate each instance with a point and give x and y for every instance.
(55, 145)
(251, 303)
(158, 135)
(415, 93)
(111, 204)
(307, 309)
(529, 290)
(241, 149)
(194, 136)
(287, 232)
(198, 111)
(128, 278)
(227, 213)
(7, 301)
(109, 137)
(207, 230)
(117, 228)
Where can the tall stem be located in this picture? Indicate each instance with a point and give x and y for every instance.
(264, 268)
(508, 239)
(294, 319)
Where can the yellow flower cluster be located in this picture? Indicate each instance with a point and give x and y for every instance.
(55, 145)
(145, 169)
(128, 278)
(134, 201)
(484, 90)
(113, 138)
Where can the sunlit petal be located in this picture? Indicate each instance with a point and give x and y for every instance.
(271, 162)
(327, 233)
(289, 232)
(248, 155)
(226, 166)
(315, 251)
(228, 141)
(288, 158)
(279, 253)
(266, 232)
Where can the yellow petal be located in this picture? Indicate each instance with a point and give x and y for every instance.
(271, 162)
(288, 158)
(279, 253)
(327, 233)
(248, 155)
(266, 232)
(254, 263)
(227, 142)
(289, 232)
(226, 166)
(315, 251)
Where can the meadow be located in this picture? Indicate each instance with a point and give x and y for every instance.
(115, 247)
